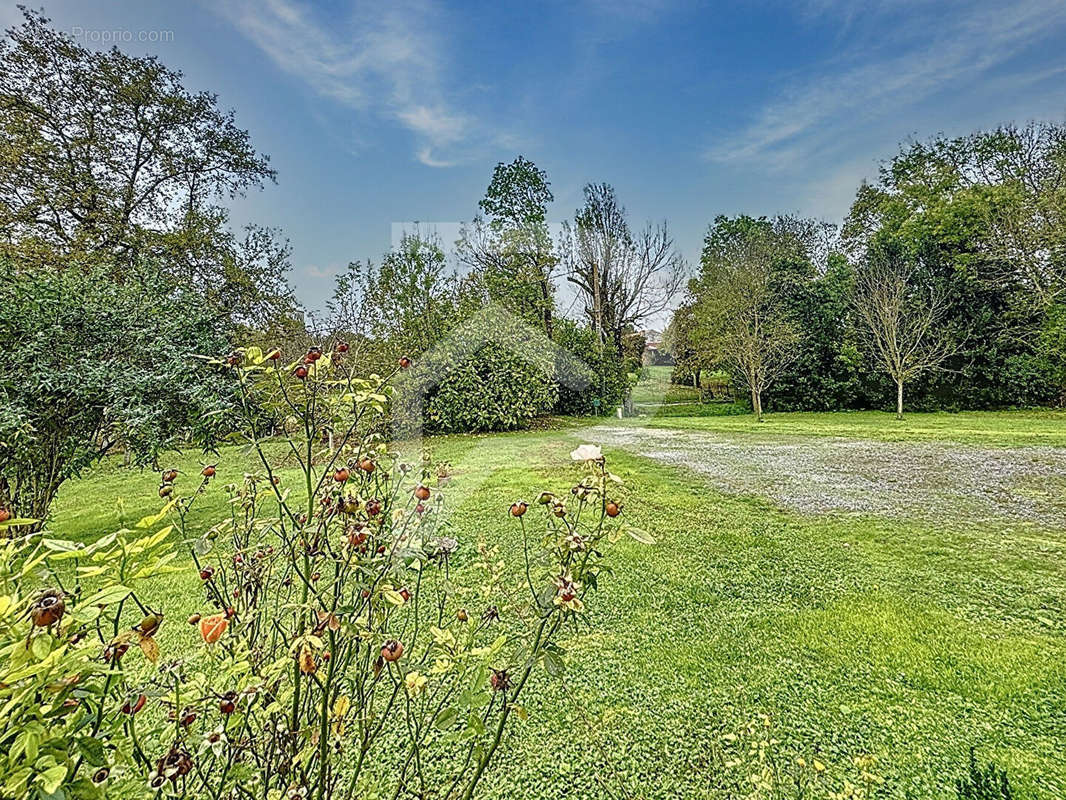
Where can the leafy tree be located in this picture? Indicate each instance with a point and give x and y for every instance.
(609, 381)
(107, 159)
(405, 305)
(980, 218)
(742, 318)
(89, 365)
(509, 249)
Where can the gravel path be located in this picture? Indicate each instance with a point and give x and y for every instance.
(935, 481)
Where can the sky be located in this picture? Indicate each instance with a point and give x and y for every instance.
(376, 114)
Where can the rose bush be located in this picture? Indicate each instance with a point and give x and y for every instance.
(346, 645)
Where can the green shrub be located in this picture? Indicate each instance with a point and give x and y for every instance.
(607, 379)
(89, 364)
(489, 389)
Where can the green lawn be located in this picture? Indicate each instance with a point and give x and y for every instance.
(852, 636)
(655, 387)
(991, 428)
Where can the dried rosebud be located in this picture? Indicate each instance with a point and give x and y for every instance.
(518, 508)
(227, 704)
(392, 650)
(134, 704)
(500, 680)
(48, 608)
(175, 764)
(113, 652)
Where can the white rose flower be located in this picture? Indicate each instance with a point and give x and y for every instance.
(586, 452)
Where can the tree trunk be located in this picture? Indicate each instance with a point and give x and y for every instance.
(899, 399)
(545, 294)
(756, 403)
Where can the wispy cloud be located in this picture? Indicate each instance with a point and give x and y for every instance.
(933, 48)
(385, 59)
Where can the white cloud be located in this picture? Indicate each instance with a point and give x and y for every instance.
(385, 60)
(883, 76)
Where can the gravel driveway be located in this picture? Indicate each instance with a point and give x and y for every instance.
(934, 481)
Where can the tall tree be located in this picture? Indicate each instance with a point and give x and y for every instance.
(743, 317)
(624, 278)
(107, 158)
(510, 248)
(405, 305)
(901, 318)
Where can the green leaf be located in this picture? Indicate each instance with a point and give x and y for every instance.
(553, 663)
(641, 536)
(446, 718)
(107, 596)
(52, 779)
(93, 750)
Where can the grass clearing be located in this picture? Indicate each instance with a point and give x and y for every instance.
(858, 635)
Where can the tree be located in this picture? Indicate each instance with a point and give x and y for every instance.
(405, 305)
(106, 158)
(510, 249)
(741, 315)
(624, 278)
(901, 318)
(88, 365)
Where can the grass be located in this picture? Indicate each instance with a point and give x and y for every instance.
(988, 428)
(655, 387)
(853, 636)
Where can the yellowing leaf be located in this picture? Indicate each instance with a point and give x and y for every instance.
(149, 648)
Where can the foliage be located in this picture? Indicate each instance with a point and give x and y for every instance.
(743, 319)
(509, 250)
(491, 387)
(405, 305)
(108, 159)
(987, 783)
(71, 619)
(89, 365)
(609, 381)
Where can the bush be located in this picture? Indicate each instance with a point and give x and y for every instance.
(348, 647)
(492, 389)
(89, 364)
(607, 377)
(988, 783)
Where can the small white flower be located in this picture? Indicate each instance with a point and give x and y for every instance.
(587, 452)
(214, 742)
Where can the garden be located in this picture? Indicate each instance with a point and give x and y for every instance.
(468, 526)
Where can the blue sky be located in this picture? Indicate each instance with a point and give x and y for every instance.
(376, 113)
